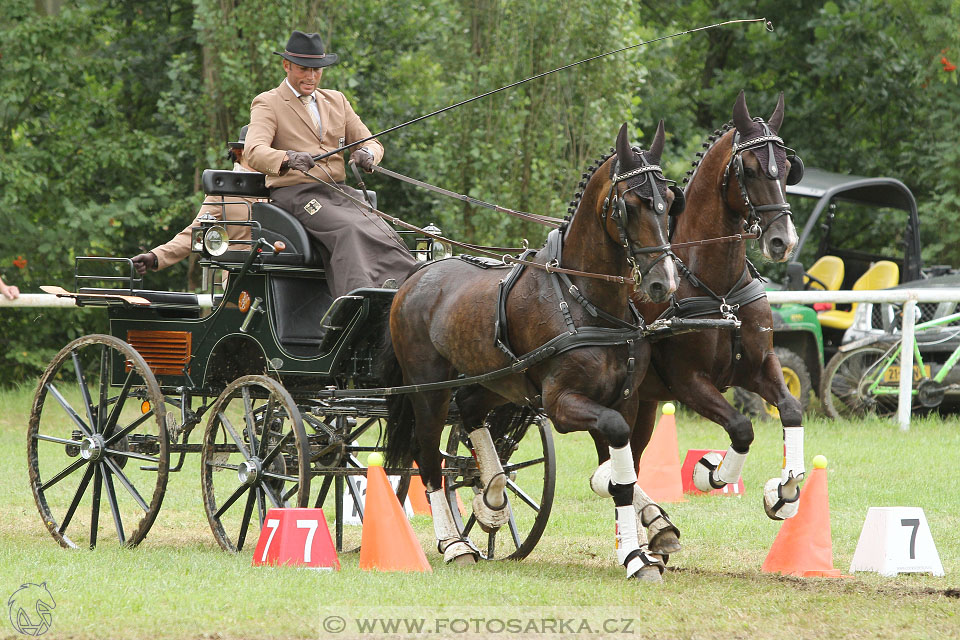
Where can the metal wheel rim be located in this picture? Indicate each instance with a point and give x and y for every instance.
(117, 477)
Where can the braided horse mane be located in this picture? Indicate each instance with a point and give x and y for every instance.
(584, 179)
(712, 139)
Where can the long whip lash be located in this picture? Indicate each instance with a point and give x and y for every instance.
(767, 24)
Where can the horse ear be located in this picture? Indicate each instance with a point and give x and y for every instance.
(741, 116)
(777, 118)
(656, 147)
(624, 152)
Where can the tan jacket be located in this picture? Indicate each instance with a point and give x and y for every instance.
(237, 208)
(279, 123)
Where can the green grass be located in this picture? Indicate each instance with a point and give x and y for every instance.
(179, 584)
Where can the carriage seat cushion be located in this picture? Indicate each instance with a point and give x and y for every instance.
(278, 224)
(234, 183)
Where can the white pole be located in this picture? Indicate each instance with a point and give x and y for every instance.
(36, 300)
(906, 365)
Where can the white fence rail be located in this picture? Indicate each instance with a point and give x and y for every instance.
(907, 297)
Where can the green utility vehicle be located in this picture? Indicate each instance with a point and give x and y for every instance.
(853, 230)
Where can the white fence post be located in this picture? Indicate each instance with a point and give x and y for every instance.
(906, 364)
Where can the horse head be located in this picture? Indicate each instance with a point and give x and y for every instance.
(634, 214)
(759, 168)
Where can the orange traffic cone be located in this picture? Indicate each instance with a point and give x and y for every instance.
(417, 494)
(387, 542)
(659, 472)
(803, 547)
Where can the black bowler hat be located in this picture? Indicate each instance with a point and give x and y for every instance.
(241, 139)
(306, 50)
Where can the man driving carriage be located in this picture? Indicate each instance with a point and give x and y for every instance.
(232, 209)
(296, 121)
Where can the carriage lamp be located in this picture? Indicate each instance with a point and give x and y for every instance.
(425, 244)
(215, 241)
(196, 234)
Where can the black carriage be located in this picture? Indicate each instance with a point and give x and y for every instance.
(266, 365)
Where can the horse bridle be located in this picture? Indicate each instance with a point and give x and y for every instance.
(616, 206)
(753, 222)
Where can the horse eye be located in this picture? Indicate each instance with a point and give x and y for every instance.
(749, 172)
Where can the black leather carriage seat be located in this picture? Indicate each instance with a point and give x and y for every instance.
(276, 223)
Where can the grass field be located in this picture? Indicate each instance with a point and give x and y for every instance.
(179, 584)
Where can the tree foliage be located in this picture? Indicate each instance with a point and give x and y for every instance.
(111, 109)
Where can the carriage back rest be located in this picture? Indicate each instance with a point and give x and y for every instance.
(234, 183)
(278, 224)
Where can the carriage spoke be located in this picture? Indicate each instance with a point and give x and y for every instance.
(233, 434)
(513, 532)
(70, 410)
(119, 435)
(245, 522)
(280, 476)
(118, 406)
(114, 507)
(507, 468)
(520, 493)
(248, 419)
(267, 419)
(131, 454)
(84, 390)
(273, 498)
(233, 498)
(73, 466)
(276, 449)
(126, 483)
(291, 492)
(324, 488)
(468, 527)
(359, 431)
(491, 544)
(261, 508)
(95, 507)
(104, 387)
(222, 465)
(68, 516)
(74, 443)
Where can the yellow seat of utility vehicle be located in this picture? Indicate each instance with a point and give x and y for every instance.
(828, 270)
(882, 274)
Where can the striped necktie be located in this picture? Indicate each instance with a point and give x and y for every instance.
(306, 100)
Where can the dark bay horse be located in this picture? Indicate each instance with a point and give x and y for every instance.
(452, 316)
(737, 185)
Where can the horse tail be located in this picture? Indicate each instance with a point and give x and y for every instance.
(400, 445)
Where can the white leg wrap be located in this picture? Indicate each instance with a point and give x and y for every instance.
(491, 471)
(600, 480)
(449, 541)
(622, 470)
(730, 468)
(627, 539)
(792, 453)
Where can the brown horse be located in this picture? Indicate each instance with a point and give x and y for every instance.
(452, 316)
(737, 185)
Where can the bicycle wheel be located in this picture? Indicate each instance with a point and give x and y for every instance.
(848, 384)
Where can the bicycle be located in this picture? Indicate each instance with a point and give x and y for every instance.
(864, 378)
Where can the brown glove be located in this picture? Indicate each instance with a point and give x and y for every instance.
(144, 261)
(363, 159)
(300, 160)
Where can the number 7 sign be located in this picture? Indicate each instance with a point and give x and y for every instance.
(297, 537)
(896, 540)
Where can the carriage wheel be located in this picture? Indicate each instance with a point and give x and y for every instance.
(254, 457)
(530, 465)
(98, 428)
(846, 385)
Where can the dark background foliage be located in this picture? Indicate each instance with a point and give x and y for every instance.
(111, 109)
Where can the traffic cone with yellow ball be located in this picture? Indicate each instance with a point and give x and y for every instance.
(659, 472)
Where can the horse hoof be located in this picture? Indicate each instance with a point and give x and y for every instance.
(774, 505)
(648, 573)
(665, 542)
(703, 471)
(600, 480)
